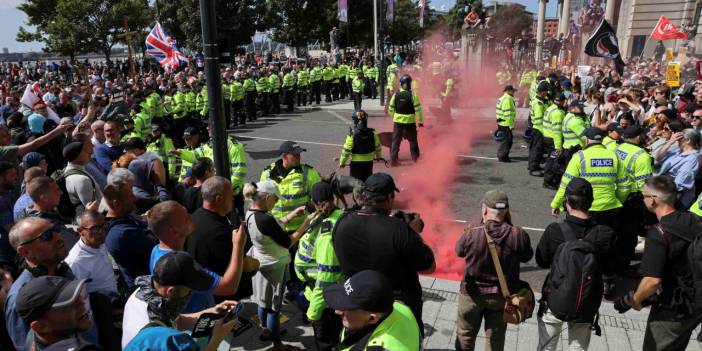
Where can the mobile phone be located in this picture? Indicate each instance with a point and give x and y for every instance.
(233, 313)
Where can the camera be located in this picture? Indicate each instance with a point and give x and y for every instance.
(409, 218)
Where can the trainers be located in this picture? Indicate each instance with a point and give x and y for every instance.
(536, 173)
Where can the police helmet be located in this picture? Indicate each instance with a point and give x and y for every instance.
(406, 81)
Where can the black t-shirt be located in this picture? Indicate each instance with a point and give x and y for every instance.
(267, 225)
(192, 198)
(210, 244)
(665, 254)
(367, 239)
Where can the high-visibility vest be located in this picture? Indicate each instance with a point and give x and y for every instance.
(328, 74)
(302, 79)
(316, 263)
(162, 147)
(237, 91)
(600, 168)
(361, 153)
(357, 85)
(635, 166)
(536, 114)
(343, 70)
(142, 125)
(288, 81)
(226, 91)
(610, 143)
(237, 161)
(400, 110)
(294, 191)
(573, 127)
(249, 85)
(179, 105)
(274, 83)
(315, 74)
(553, 123)
(506, 111)
(398, 331)
(262, 85)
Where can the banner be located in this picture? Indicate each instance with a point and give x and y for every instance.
(665, 30)
(668, 54)
(422, 5)
(583, 71)
(390, 14)
(603, 43)
(343, 11)
(672, 74)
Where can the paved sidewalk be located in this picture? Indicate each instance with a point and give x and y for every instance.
(619, 332)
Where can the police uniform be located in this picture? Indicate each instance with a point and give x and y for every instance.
(328, 77)
(162, 147)
(552, 125)
(362, 145)
(262, 90)
(250, 98)
(406, 111)
(506, 113)
(536, 143)
(274, 93)
(635, 167)
(303, 81)
(357, 92)
(316, 83)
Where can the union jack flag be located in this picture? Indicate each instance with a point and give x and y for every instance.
(162, 48)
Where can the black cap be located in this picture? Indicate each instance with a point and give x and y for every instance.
(41, 294)
(553, 75)
(155, 127)
(593, 133)
(576, 103)
(72, 150)
(178, 268)
(190, 131)
(380, 184)
(633, 131)
(134, 143)
(615, 127)
(290, 147)
(509, 88)
(560, 97)
(579, 187)
(366, 290)
(670, 114)
(321, 192)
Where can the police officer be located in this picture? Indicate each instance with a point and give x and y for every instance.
(506, 113)
(614, 133)
(600, 168)
(328, 77)
(553, 124)
(573, 126)
(227, 95)
(536, 119)
(162, 145)
(389, 324)
(180, 111)
(274, 90)
(635, 166)
(262, 90)
(250, 97)
(357, 89)
(303, 82)
(288, 89)
(237, 90)
(317, 267)
(191, 136)
(362, 146)
(316, 84)
(405, 110)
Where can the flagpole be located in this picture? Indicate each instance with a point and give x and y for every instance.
(214, 88)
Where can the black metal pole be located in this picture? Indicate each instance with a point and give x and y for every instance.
(381, 45)
(214, 88)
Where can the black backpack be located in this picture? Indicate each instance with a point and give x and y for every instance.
(66, 208)
(687, 297)
(573, 287)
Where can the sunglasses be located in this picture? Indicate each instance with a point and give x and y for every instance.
(696, 117)
(96, 229)
(48, 235)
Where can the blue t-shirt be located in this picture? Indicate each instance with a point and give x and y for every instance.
(161, 339)
(199, 300)
(23, 202)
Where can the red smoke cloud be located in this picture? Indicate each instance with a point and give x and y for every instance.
(427, 185)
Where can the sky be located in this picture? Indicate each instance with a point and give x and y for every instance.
(11, 18)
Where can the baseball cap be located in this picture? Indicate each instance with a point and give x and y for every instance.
(155, 127)
(72, 150)
(366, 290)
(322, 191)
(593, 133)
(633, 131)
(509, 88)
(615, 127)
(32, 159)
(290, 147)
(496, 199)
(190, 131)
(42, 294)
(542, 87)
(380, 184)
(178, 268)
(560, 97)
(553, 75)
(579, 187)
(268, 187)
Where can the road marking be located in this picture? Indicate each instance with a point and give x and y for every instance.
(526, 228)
(339, 116)
(478, 157)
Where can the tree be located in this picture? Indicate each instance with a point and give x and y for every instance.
(237, 20)
(405, 27)
(509, 21)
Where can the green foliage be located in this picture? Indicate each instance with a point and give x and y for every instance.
(509, 21)
(457, 13)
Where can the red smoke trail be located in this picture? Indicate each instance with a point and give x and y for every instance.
(429, 183)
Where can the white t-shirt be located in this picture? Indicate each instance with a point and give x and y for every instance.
(90, 263)
(134, 319)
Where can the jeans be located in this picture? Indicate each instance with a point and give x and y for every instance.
(550, 329)
(270, 320)
(471, 312)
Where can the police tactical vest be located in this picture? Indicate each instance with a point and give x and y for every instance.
(403, 103)
(363, 142)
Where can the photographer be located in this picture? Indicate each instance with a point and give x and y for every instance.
(372, 239)
(664, 268)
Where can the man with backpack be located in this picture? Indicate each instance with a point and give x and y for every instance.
(670, 264)
(81, 188)
(572, 249)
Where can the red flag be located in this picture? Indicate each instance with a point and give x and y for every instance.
(664, 30)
